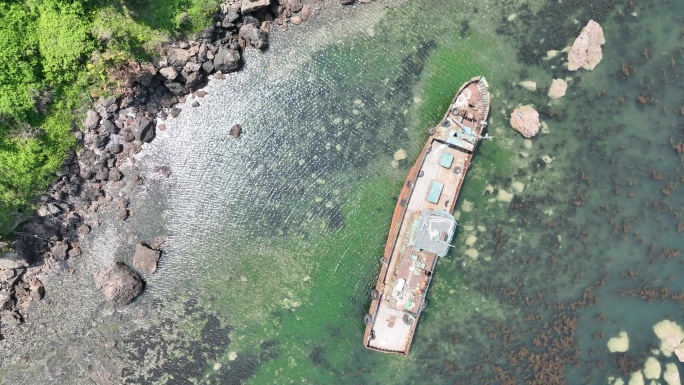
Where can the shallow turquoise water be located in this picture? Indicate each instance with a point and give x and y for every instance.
(274, 240)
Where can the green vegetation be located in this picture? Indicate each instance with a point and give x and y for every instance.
(54, 56)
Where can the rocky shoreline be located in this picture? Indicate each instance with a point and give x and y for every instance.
(94, 178)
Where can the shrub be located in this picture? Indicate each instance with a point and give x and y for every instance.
(64, 39)
(19, 73)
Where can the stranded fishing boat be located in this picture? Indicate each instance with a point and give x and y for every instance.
(422, 224)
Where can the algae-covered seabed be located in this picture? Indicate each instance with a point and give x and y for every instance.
(274, 240)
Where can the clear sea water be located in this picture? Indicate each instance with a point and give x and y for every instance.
(273, 240)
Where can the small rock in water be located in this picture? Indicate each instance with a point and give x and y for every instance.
(671, 375)
(619, 344)
(504, 196)
(165, 170)
(528, 85)
(586, 50)
(400, 154)
(551, 54)
(145, 259)
(195, 104)
(472, 253)
(557, 89)
(525, 120)
(118, 283)
(235, 131)
(652, 368)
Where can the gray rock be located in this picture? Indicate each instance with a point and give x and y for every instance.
(127, 136)
(114, 175)
(235, 131)
(254, 36)
(295, 5)
(143, 129)
(165, 170)
(11, 262)
(227, 60)
(59, 251)
(208, 66)
(253, 5)
(175, 87)
(145, 259)
(10, 319)
(6, 300)
(100, 141)
(175, 112)
(168, 101)
(91, 120)
(177, 57)
(7, 274)
(169, 73)
(192, 79)
(191, 67)
(110, 127)
(118, 283)
(102, 174)
(230, 18)
(74, 252)
(115, 148)
(346, 2)
(195, 104)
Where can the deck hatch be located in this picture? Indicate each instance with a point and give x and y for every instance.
(435, 192)
(446, 160)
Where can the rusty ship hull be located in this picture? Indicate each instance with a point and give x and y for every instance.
(422, 224)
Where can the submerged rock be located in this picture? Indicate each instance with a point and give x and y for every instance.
(619, 343)
(671, 375)
(558, 88)
(652, 368)
(145, 259)
(118, 283)
(586, 50)
(525, 120)
(528, 85)
(400, 154)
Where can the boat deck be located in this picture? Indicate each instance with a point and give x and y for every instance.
(422, 224)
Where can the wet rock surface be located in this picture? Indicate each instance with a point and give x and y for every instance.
(145, 259)
(525, 120)
(586, 51)
(118, 283)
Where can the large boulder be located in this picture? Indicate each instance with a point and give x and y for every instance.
(145, 259)
(253, 5)
(118, 283)
(586, 50)
(177, 57)
(254, 36)
(558, 88)
(525, 120)
(142, 129)
(91, 120)
(227, 60)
